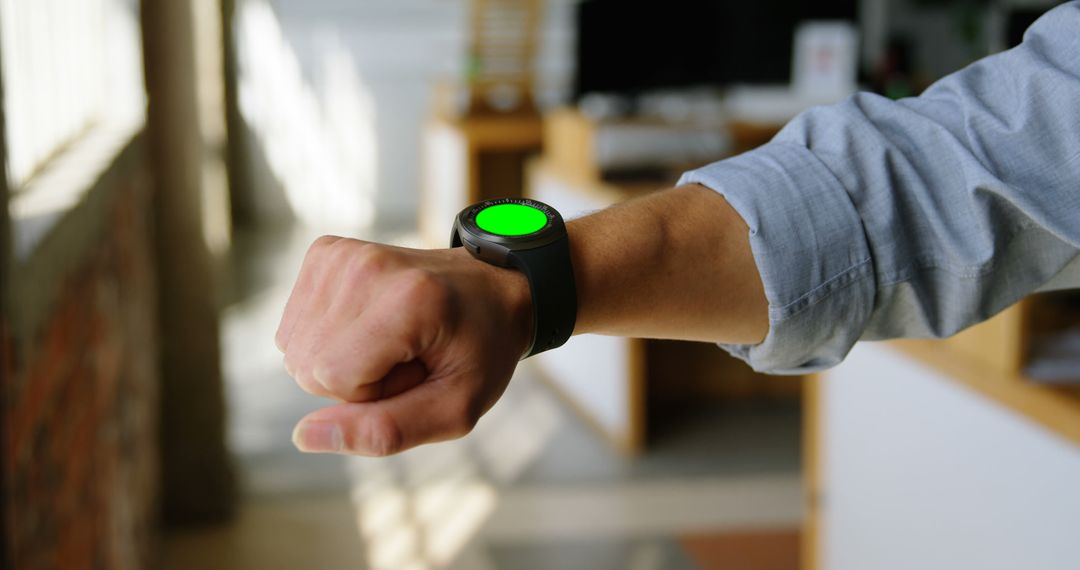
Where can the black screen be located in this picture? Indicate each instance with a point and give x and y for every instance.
(631, 46)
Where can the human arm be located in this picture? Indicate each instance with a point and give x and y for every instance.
(673, 265)
(876, 219)
(868, 219)
(417, 345)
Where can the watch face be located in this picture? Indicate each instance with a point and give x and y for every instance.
(511, 218)
(493, 229)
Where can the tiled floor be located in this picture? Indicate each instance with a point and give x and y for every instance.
(531, 488)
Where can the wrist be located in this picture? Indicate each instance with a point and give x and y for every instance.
(612, 268)
(516, 300)
(509, 289)
(583, 282)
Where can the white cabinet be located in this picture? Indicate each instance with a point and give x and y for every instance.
(919, 472)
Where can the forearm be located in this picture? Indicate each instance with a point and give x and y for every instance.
(676, 264)
(874, 219)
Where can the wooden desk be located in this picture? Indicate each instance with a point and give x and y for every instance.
(468, 159)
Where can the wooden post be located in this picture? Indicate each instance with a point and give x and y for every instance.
(197, 480)
(242, 191)
(813, 416)
(6, 343)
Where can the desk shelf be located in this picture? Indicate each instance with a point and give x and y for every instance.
(993, 358)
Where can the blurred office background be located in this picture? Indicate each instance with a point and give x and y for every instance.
(168, 162)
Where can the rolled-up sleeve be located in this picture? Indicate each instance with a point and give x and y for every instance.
(876, 219)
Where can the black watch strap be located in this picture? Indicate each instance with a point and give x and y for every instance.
(554, 294)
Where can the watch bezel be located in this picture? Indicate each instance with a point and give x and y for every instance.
(552, 231)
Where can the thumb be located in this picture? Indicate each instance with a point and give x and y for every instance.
(429, 412)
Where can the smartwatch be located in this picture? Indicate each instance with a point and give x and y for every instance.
(528, 236)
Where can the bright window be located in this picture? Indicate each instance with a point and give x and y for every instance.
(68, 66)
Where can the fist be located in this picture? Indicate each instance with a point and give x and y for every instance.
(414, 345)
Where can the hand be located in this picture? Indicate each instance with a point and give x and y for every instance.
(416, 344)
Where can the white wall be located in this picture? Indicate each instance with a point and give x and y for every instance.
(920, 472)
(401, 48)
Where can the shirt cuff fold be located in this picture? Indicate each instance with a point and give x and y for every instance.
(811, 250)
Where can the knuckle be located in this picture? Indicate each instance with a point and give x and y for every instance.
(380, 436)
(320, 246)
(309, 386)
(306, 383)
(365, 260)
(366, 252)
(336, 376)
(325, 374)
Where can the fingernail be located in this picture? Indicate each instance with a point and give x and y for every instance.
(317, 437)
(320, 375)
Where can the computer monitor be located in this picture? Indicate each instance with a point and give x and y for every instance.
(628, 47)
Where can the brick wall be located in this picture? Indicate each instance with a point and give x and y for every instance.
(80, 417)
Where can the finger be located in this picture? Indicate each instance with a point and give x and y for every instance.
(309, 332)
(430, 412)
(327, 314)
(365, 351)
(401, 378)
(302, 290)
(354, 283)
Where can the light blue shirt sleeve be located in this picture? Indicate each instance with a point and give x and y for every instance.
(875, 219)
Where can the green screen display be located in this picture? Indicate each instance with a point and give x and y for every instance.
(511, 220)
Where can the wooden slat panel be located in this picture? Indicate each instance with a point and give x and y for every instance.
(503, 49)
